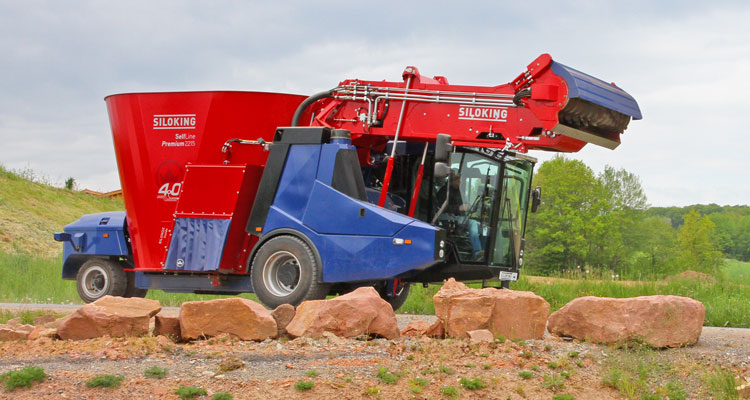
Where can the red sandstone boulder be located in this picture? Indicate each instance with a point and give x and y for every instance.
(658, 321)
(109, 316)
(15, 332)
(361, 312)
(415, 328)
(436, 330)
(509, 313)
(283, 315)
(481, 336)
(167, 326)
(238, 317)
(40, 331)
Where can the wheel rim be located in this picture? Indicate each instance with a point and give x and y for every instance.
(281, 273)
(95, 281)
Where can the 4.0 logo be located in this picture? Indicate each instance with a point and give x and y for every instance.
(169, 190)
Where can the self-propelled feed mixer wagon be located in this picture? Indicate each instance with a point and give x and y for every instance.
(370, 183)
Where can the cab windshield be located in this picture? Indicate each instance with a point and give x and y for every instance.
(486, 209)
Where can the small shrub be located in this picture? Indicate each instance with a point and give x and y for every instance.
(449, 391)
(222, 396)
(519, 342)
(22, 378)
(410, 357)
(527, 354)
(105, 381)
(573, 354)
(230, 364)
(421, 382)
(385, 376)
(484, 355)
(189, 392)
(304, 385)
(500, 339)
(525, 374)
(553, 364)
(311, 373)
(520, 391)
(487, 366)
(535, 368)
(579, 363)
(372, 391)
(416, 389)
(155, 372)
(470, 365)
(447, 370)
(472, 384)
(553, 382)
(563, 396)
(565, 374)
(612, 378)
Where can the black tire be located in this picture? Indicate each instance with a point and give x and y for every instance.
(397, 300)
(100, 277)
(285, 271)
(131, 290)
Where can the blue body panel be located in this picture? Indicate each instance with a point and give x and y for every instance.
(355, 239)
(85, 237)
(595, 90)
(197, 244)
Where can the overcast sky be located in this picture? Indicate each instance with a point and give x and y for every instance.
(685, 62)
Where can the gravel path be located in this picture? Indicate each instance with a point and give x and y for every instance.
(346, 368)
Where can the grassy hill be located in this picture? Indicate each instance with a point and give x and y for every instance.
(30, 212)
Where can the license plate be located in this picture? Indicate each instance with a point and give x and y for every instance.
(508, 276)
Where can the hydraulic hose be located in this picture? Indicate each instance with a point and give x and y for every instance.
(308, 101)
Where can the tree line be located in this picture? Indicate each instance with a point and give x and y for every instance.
(602, 223)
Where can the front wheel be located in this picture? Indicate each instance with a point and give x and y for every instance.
(100, 277)
(285, 271)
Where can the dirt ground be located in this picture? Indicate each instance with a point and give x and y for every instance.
(417, 368)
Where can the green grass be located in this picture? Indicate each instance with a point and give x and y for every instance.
(736, 272)
(525, 374)
(33, 279)
(386, 376)
(311, 373)
(304, 385)
(155, 372)
(721, 384)
(31, 210)
(472, 384)
(26, 316)
(449, 391)
(22, 378)
(222, 396)
(189, 392)
(105, 381)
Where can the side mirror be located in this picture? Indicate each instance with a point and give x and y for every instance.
(443, 147)
(442, 170)
(536, 198)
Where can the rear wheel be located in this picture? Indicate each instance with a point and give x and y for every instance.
(100, 277)
(285, 271)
